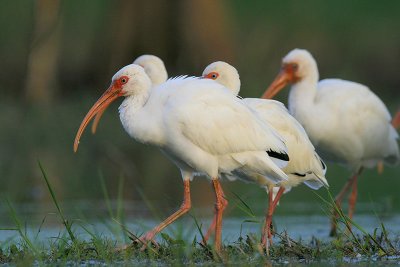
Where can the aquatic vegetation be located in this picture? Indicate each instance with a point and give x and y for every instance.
(69, 247)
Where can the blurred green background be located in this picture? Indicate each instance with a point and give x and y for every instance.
(57, 57)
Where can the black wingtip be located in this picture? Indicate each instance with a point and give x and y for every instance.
(278, 155)
(323, 165)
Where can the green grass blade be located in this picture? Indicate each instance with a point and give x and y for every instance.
(53, 196)
(198, 226)
(105, 193)
(120, 195)
(344, 219)
(40, 226)
(18, 226)
(242, 205)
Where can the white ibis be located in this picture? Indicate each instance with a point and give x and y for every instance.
(154, 68)
(305, 166)
(199, 125)
(346, 121)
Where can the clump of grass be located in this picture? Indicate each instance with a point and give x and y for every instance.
(172, 250)
(69, 248)
(18, 227)
(351, 244)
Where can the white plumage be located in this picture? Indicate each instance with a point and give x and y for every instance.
(154, 68)
(187, 117)
(304, 163)
(346, 121)
(198, 124)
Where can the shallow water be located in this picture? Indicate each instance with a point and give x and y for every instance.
(297, 227)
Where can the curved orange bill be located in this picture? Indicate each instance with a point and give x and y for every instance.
(278, 84)
(97, 118)
(112, 93)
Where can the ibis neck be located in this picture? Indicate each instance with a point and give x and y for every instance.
(303, 92)
(302, 98)
(139, 120)
(133, 103)
(130, 113)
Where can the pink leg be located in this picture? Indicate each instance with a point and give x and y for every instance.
(185, 207)
(268, 218)
(353, 198)
(211, 229)
(351, 183)
(338, 203)
(219, 208)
